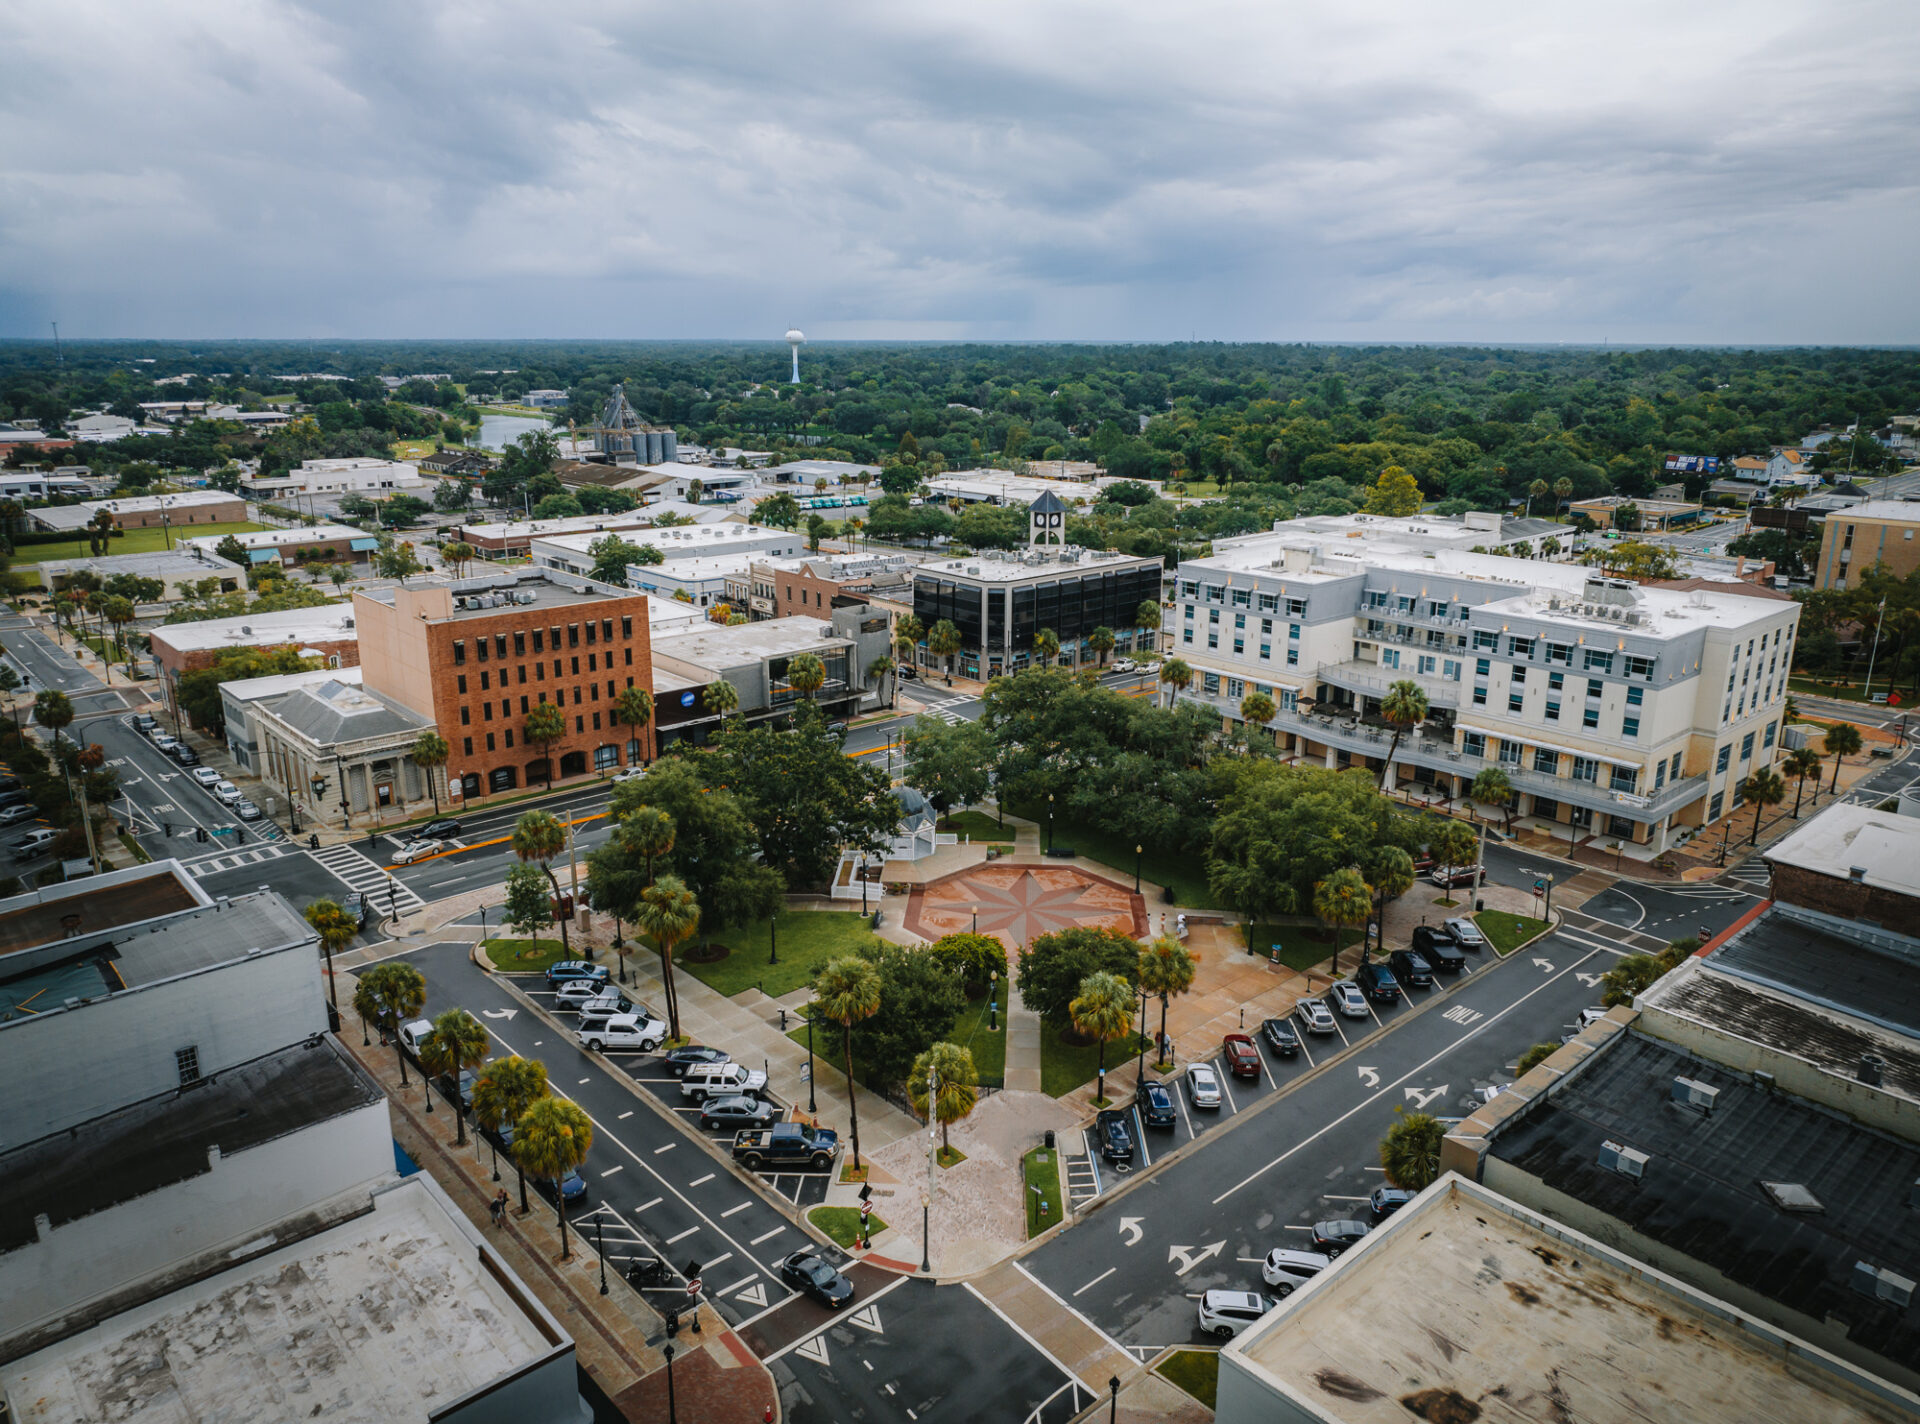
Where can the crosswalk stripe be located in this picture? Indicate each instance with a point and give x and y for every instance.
(360, 873)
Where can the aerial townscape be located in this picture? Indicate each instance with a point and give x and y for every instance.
(1174, 723)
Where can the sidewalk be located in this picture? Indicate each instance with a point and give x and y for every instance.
(617, 1336)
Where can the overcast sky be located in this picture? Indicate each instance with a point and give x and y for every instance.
(1738, 172)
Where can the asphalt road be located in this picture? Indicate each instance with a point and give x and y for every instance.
(41, 660)
(1205, 1219)
(657, 1189)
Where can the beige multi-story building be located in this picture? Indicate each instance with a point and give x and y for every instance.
(1615, 710)
(1881, 531)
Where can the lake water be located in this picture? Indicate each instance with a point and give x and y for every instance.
(499, 431)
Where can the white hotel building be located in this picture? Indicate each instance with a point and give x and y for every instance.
(1617, 710)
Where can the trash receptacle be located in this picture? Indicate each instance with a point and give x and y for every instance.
(1049, 1137)
(1479, 905)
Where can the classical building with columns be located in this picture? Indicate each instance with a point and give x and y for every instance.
(1618, 711)
(338, 748)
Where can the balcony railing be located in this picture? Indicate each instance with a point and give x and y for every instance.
(1372, 678)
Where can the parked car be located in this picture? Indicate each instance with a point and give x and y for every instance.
(412, 1035)
(458, 1090)
(1589, 1017)
(1488, 1092)
(1156, 1106)
(164, 742)
(1449, 877)
(736, 1111)
(225, 792)
(573, 1188)
(246, 810)
(563, 970)
(806, 1271)
(206, 776)
(1330, 1238)
(1125, 665)
(35, 842)
(1203, 1086)
(354, 905)
(1115, 1135)
(1376, 981)
(625, 1032)
(719, 1080)
(1466, 934)
(574, 993)
(1348, 999)
(692, 1056)
(1433, 944)
(184, 754)
(1385, 1201)
(144, 725)
(13, 798)
(1286, 1271)
(1313, 1016)
(440, 830)
(1281, 1038)
(1239, 1055)
(18, 811)
(631, 773)
(605, 1004)
(1411, 968)
(1226, 1313)
(417, 850)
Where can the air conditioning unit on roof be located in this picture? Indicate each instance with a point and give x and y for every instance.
(1624, 1160)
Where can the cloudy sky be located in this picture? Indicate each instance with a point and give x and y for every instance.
(998, 169)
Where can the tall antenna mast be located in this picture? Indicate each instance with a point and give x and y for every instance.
(59, 356)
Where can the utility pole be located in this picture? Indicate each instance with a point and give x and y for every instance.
(1875, 652)
(59, 356)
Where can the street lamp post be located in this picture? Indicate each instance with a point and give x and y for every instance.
(1140, 1068)
(812, 1108)
(600, 1249)
(1049, 823)
(773, 936)
(672, 1416)
(1113, 1407)
(975, 911)
(1138, 851)
(619, 949)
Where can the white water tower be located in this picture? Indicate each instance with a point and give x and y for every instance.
(796, 338)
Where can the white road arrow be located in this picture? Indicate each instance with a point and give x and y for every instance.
(1592, 981)
(1421, 1099)
(1188, 1257)
(1546, 964)
(1132, 1224)
(1371, 1076)
(498, 1013)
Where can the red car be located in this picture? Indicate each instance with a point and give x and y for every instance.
(1240, 1056)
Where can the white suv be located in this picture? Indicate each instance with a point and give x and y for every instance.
(1286, 1271)
(629, 1031)
(1226, 1313)
(719, 1080)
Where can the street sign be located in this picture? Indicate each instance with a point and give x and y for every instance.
(693, 1286)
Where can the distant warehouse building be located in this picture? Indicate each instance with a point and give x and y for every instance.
(153, 511)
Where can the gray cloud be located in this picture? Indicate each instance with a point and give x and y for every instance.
(1716, 172)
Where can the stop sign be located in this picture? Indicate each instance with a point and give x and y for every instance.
(693, 1286)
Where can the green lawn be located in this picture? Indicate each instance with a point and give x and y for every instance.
(988, 1046)
(1849, 692)
(1063, 1067)
(522, 956)
(1302, 945)
(976, 826)
(1506, 932)
(132, 541)
(1041, 1167)
(842, 1223)
(1195, 1371)
(807, 940)
(1185, 873)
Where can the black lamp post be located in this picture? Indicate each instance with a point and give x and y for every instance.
(426, 1088)
(811, 1107)
(619, 949)
(1140, 1068)
(773, 937)
(600, 1249)
(926, 1206)
(975, 911)
(672, 1416)
(1113, 1407)
(1049, 823)
(1138, 851)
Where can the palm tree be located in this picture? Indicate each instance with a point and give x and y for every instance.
(9, 684)
(720, 696)
(945, 1086)
(1175, 673)
(545, 725)
(1101, 640)
(907, 634)
(335, 928)
(668, 913)
(1562, 491)
(1146, 619)
(847, 990)
(1257, 709)
(1843, 740)
(1342, 901)
(634, 707)
(806, 674)
(1491, 786)
(1764, 788)
(505, 1089)
(1403, 706)
(943, 641)
(1535, 491)
(389, 995)
(457, 1043)
(1166, 968)
(1801, 763)
(53, 710)
(1392, 874)
(552, 1139)
(880, 669)
(1452, 844)
(539, 836)
(1410, 1152)
(1103, 1012)
(430, 753)
(1046, 646)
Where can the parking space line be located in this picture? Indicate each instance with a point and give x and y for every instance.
(1140, 1134)
(735, 1210)
(1305, 1054)
(1226, 1089)
(625, 1115)
(616, 1167)
(700, 1181)
(668, 1147)
(1180, 1096)
(672, 1240)
(645, 1205)
(1095, 1281)
(720, 1260)
(762, 1240)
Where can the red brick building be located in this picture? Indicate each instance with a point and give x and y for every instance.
(477, 656)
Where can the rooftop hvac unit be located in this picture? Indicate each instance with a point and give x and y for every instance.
(1624, 1160)
(1882, 1284)
(525, 595)
(1691, 1093)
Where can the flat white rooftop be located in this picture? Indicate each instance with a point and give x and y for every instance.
(1037, 564)
(391, 1316)
(1883, 846)
(1895, 509)
(1466, 1306)
(682, 540)
(330, 623)
(721, 648)
(281, 538)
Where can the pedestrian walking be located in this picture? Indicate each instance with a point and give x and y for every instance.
(499, 1208)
